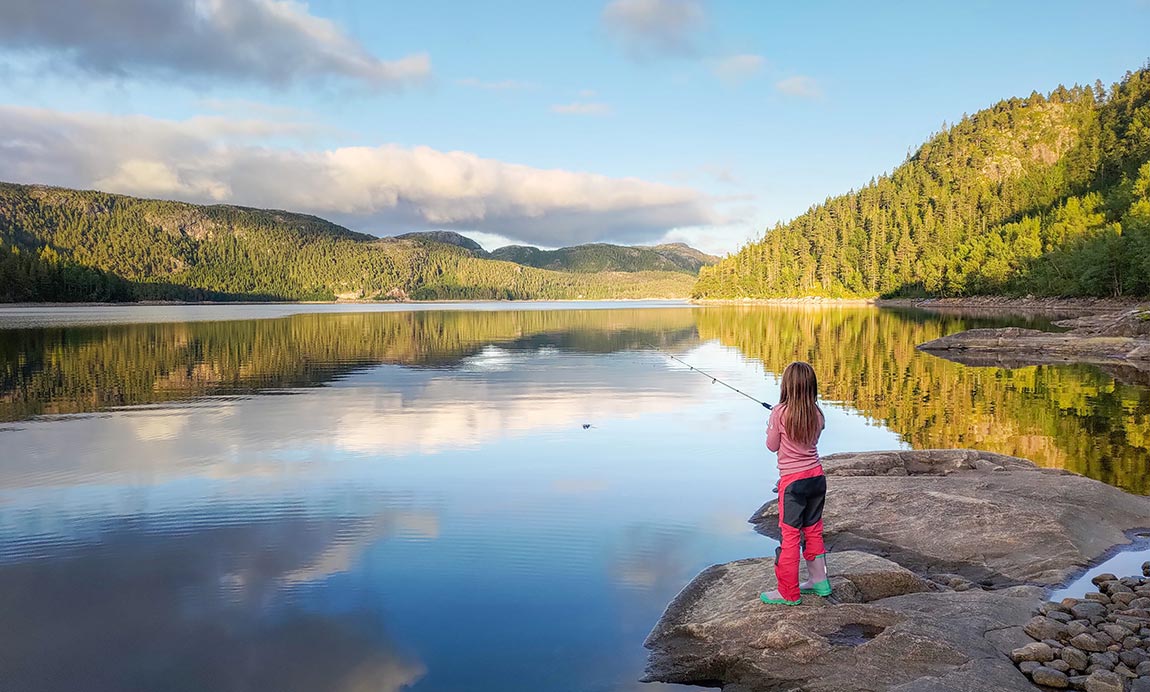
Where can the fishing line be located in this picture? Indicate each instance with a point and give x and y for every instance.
(714, 380)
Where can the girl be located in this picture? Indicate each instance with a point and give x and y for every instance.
(793, 432)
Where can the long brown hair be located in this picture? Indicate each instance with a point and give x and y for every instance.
(799, 392)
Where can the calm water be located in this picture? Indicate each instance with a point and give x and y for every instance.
(243, 498)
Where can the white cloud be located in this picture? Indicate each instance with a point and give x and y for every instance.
(800, 86)
(656, 27)
(737, 68)
(270, 41)
(581, 108)
(386, 188)
(489, 241)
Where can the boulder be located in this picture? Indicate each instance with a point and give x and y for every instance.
(937, 512)
(1050, 677)
(1041, 628)
(1074, 657)
(1104, 681)
(1034, 651)
(863, 577)
(716, 632)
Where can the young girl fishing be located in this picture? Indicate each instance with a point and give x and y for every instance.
(793, 432)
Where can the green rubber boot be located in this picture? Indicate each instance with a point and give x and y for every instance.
(779, 601)
(820, 584)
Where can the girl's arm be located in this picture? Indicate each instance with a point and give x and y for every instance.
(774, 430)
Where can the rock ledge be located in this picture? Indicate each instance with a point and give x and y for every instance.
(913, 536)
(1121, 339)
(990, 519)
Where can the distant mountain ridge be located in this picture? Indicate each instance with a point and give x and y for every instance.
(445, 237)
(63, 245)
(583, 259)
(600, 257)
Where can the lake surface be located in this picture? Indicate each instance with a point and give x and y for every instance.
(485, 497)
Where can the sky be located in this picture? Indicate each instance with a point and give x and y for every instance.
(541, 123)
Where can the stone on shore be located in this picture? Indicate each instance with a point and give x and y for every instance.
(942, 512)
(1104, 681)
(1050, 677)
(1034, 651)
(1108, 641)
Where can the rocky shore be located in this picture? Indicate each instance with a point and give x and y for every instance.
(1116, 339)
(939, 563)
(1094, 306)
(1100, 643)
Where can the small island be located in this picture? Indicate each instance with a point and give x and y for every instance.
(1109, 339)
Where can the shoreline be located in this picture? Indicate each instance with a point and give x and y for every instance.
(1009, 303)
(981, 302)
(806, 300)
(165, 303)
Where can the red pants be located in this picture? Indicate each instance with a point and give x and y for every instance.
(801, 498)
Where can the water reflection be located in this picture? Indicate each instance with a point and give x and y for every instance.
(78, 369)
(1079, 418)
(420, 506)
(198, 609)
(387, 411)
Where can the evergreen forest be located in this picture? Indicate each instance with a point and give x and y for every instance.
(1046, 195)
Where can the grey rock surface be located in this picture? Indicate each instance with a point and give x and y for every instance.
(942, 512)
(913, 535)
(717, 632)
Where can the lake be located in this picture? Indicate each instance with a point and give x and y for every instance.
(480, 497)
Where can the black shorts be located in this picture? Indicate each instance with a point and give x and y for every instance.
(803, 501)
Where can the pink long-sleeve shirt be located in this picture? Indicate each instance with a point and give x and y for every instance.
(793, 457)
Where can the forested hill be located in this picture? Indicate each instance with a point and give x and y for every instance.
(599, 257)
(447, 238)
(68, 245)
(1047, 195)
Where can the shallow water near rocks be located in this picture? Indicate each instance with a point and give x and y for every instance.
(455, 497)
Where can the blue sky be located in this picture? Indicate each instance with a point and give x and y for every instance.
(632, 121)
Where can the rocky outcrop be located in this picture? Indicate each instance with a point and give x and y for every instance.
(913, 537)
(991, 519)
(1131, 323)
(1111, 339)
(716, 632)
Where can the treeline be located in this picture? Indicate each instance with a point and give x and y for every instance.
(1046, 195)
(43, 275)
(70, 245)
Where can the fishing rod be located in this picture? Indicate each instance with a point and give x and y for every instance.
(714, 379)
